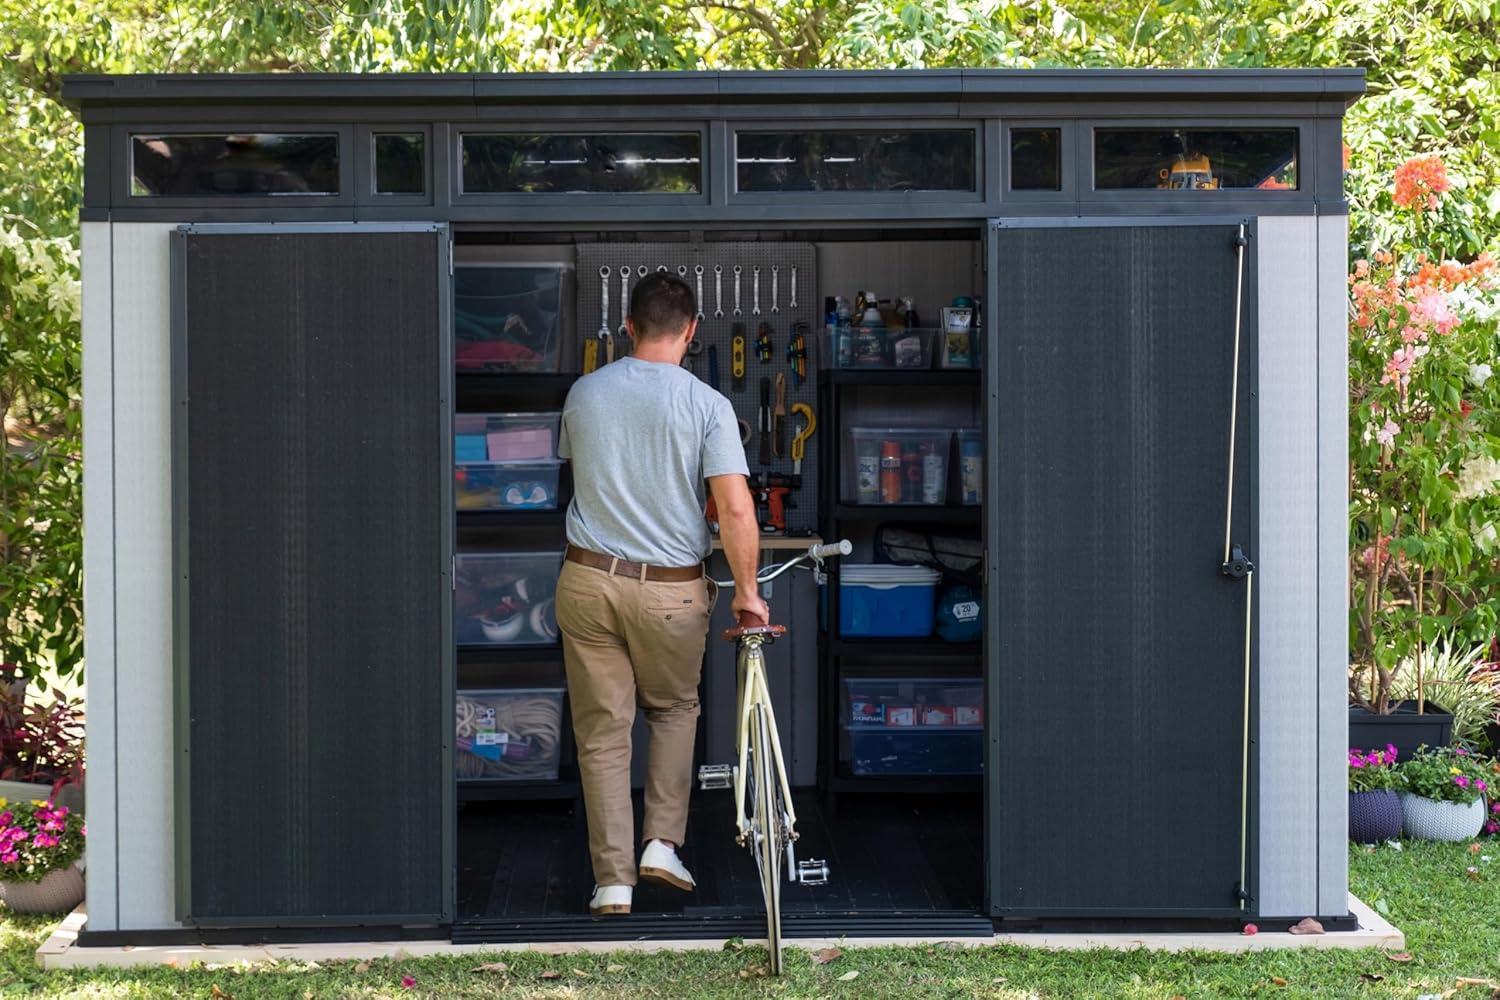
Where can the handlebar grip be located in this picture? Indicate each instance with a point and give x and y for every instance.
(839, 548)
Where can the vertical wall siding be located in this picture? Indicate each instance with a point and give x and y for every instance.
(143, 575)
(1287, 567)
(1333, 592)
(98, 573)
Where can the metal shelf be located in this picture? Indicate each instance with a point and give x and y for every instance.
(906, 784)
(511, 518)
(495, 790)
(479, 652)
(886, 376)
(944, 514)
(516, 380)
(889, 648)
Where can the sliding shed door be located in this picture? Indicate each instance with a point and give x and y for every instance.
(1118, 645)
(312, 538)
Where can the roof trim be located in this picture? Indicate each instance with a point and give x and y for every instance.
(785, 86)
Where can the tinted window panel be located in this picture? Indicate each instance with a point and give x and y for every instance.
(855, 161)
(1189, 158)
(245, 164)
(1036, 159)
(582, 164)
(399, 167)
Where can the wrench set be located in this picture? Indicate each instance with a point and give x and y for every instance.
(752, 344)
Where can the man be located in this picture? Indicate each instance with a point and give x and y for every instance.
(644, 435)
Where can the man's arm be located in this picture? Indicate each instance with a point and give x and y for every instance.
(740, 534)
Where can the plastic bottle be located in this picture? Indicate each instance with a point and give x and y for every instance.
(971, 470)
(932, 474)
(911, 473)
(844, 333)
(867, 472)
(891, 483)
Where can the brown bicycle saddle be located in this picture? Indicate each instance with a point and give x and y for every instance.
(741, 631)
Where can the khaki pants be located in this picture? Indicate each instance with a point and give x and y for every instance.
(628, 643)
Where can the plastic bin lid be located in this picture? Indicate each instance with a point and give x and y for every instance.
(877, 573)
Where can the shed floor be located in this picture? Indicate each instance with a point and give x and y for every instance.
(886, 854)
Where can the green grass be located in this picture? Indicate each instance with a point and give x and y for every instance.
(1452, 922)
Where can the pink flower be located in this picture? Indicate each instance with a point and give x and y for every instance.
(1461, 781)
(9, 857)
(407, 982)
(5, 818)
(1461, 751)
(1480, 785)
(1411, 334)
(1387, 434)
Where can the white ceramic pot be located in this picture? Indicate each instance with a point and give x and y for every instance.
(21, 791)
(57, 892)
(1429, 819)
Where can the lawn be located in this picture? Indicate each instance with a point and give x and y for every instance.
(1451, 917)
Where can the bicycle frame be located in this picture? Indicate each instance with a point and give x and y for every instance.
(752, 690)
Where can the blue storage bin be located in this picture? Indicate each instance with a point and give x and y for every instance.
(887, 602)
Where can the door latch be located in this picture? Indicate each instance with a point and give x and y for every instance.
(1239, 565)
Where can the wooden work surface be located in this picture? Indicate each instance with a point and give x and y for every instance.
(771, 542)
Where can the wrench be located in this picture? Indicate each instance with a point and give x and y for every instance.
(793, 303)
(775, 288)
(624, 298)
(604, 301)
(755, 306)
(718, 291)
(698, 273)
(682, 271)
(661, 269)
(642, 271)
(737, 310)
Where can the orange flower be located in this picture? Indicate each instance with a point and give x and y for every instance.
(1347, 151)
(1361, 268)
(1384, 257)
(1419, 181)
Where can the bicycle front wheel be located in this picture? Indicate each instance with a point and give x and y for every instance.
(768, 836)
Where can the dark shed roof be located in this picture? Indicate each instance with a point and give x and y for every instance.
(875, 86)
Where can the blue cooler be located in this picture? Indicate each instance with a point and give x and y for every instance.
(886, 602)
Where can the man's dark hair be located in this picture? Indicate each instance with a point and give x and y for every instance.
(661, 306)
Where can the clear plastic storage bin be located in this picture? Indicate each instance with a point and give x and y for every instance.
(510, 317)
(505, 437)
(914, 726)
(970, 467)
(507, 485)
(509, 735)
(505, 599)
(874, 348)
(897, 466)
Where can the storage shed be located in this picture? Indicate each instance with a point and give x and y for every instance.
(328, 323)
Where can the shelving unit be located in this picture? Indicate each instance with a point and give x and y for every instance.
(882, 657)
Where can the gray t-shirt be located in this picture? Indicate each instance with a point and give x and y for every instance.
(643, 436)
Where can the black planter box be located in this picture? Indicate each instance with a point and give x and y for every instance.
(1403, 727)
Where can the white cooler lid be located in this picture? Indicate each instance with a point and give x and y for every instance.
(880, 573)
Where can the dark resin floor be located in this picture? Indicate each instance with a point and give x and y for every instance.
(887, 853)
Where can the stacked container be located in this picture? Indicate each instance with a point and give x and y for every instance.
(886, 602)
(506, 461)
(505, 599)
(897, 466)
(914, 726)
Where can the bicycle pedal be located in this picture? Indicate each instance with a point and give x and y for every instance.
(813, 871)
(715, 776)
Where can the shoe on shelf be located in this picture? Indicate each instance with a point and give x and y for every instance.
(608, 899)
(660, 864)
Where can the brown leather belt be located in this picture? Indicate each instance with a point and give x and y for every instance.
(638, 571)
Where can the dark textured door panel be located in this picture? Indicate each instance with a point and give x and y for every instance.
(311, 542)
(1118, 653)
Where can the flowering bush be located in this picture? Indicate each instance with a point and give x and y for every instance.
(1373, 770)
(1446, 774)
(1425, 446)
(37, 838)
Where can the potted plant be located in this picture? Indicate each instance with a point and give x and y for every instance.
(1374, 806)
(1443, 794)
(1424, 511)
(41, 749)
(41, 845)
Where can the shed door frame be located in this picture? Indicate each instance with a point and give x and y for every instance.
(444, 679)
(996, 812)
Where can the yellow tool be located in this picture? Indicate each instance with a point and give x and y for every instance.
(737, 359)
(590, 355)
(799, 442)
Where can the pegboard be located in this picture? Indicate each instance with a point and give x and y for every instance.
(717, 332)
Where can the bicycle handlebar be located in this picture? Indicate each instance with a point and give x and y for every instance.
(815, 553)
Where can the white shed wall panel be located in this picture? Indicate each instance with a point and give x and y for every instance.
(140, 542)
(1286, 577)
(1333, 562)
(99, 573)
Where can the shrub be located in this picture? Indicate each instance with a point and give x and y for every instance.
(1373, 770)
(1446, 774)
(37, 838)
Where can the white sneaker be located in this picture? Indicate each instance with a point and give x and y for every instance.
(660, 864)
(611, 899)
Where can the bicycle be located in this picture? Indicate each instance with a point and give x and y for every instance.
(765, 821)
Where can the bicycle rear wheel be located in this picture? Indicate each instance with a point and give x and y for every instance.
(767, 834)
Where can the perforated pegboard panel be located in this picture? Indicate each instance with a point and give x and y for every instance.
(717, 332)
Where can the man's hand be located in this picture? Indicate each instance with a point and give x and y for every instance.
(749, 609)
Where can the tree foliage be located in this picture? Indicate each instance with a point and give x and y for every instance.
(1433, 88)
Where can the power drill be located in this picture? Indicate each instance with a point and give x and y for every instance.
(772, 492)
